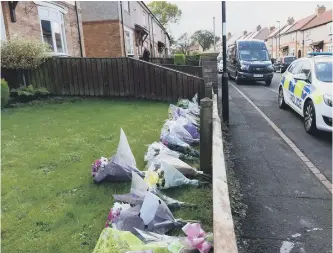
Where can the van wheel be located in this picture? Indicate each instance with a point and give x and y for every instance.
(237, 81)
(268, 83)
(310, 118)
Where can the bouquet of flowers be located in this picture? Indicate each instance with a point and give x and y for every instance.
(115, 212)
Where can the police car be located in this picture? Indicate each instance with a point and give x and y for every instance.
(306, 87)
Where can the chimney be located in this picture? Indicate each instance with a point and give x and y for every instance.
(229, 35)
(272, 28)
(290, 20)
(258, 28)
(320, 9)
(244, 33)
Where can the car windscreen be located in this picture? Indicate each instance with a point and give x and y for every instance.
(324, 71)
(252, 51)
(289, 59)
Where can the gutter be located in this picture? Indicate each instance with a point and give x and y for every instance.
(122, 25)
(78, 27)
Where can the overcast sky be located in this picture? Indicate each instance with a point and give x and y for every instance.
(240, 15)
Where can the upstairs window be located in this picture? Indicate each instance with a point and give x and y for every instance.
(144, 19)
(52, 29)
(129, 42)
(127, 6)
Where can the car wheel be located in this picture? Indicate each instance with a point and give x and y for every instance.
(310, 118)
(268, 83)
(282, 103)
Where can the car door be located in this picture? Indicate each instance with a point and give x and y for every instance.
(290, 84)
(303, 87)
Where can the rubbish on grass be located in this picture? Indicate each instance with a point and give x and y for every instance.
(164, 176)
(119, 167)
(183, 103)
(152, 215)
(137, 194)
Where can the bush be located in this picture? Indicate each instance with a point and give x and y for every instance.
(4, 92)
(21, 53)
(29, 93)
(192, 60)
(179, 59)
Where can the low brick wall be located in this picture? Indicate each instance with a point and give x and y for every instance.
(224, 234)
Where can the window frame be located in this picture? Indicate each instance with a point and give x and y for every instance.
(60, 22)
(309, 75)
(144, 19)
(127, 4)
(131, 42)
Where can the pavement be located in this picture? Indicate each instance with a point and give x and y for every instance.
(289, 210)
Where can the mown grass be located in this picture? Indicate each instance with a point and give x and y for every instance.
(49, 201)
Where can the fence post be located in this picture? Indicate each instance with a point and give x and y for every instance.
(208, 90)
(206, 131)
(201, 93)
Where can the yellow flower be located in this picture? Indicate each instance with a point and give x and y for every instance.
(151, 178)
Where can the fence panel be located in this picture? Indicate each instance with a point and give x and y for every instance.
(114, 77)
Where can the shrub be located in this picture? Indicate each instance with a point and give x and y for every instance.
(179, 59)
(29, 93)
(192, 60)
(4, 92)
(21, 53)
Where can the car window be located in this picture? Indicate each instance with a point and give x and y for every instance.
(291, 67)
(306, 69)
(324, 71)
(297, 68)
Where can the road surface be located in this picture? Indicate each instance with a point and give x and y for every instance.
(288, 209)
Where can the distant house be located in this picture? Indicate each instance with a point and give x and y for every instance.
(122, 28)
(294, 37)
(283, 39)
(56, 23)
(260, 33)
(196, 48)
(317, 34)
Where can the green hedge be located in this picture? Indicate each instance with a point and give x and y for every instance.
(4, 92)
(179, 59)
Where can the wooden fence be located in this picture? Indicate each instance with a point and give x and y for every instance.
(157, 60)
(191, 70)
(126, 77)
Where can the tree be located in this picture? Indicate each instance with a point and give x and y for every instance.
(204, 38)
(184, 43)
(165, 12)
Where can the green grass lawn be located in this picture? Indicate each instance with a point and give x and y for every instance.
(49, 201)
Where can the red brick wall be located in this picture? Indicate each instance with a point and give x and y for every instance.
(28, 25)
(103, 38)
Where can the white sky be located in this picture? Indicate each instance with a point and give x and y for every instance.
(240, 15)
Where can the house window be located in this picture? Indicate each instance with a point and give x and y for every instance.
(330, 29)
(330, 48)
(129, 41)
(308, 33)
(3, 30)
(127, 6)
(144, 19)
(293, 37)
(52, 29)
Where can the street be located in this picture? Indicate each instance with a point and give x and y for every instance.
(287, 207)
(317, 148)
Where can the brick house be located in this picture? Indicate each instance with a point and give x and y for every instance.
(317, 34)
(122, 28)
(56, 23)
(283, 39)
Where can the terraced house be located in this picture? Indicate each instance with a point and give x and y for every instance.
(56, 23)
(122, 28)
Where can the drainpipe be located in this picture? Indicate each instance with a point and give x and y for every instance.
(122, 25)
(78, 27)
(152, 30)
(296, 53)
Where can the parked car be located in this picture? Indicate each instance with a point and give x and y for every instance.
(249, 60)
(306, 87)
(281, 64)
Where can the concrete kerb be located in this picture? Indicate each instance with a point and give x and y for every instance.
(224, 234)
